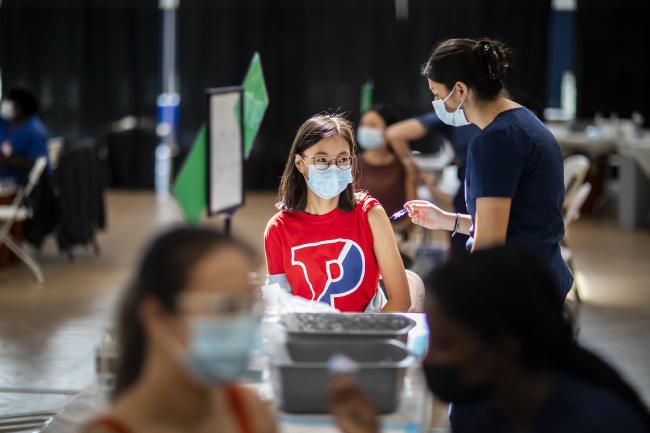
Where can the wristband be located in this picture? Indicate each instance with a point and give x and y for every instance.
(455, 225)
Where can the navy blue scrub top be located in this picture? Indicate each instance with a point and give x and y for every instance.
(516, 156)
(575, 406)
(28, 140)
(459, 137)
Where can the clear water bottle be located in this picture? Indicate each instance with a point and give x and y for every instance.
(162, 169)
(106, 362)
(568, 95)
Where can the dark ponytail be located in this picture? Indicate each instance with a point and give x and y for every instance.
(163, 273)
(480, 64)
(505, 292)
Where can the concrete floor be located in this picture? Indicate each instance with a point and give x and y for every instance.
(48, 332)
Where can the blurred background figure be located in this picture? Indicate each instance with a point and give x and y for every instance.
(502, 349)
(23, 137)
(381, 172)
(187, 326)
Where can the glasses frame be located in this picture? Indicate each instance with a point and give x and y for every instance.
(329, 161)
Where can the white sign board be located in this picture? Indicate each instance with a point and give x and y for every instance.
(225, 150)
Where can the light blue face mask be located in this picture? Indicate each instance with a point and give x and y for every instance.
(370, 138)
(455, 118)
(220, 348)
(330, 182)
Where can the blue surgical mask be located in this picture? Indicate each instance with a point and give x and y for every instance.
(455, 118)
(370, 138)
(330, 182)
(220, 348)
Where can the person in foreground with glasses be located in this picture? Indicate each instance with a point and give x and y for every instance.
(187, 326)
(330, 242)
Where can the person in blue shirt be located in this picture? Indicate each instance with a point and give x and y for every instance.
(399, 134)
(514, 185)
(23, 137)
(506, 358)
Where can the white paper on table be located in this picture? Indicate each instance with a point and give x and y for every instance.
(322, 424)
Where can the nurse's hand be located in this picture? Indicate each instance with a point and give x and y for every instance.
(427, 215)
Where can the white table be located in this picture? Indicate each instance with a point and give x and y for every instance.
(580, 142)
(412, 416)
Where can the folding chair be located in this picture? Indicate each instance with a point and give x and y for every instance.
(575, 172)
(572, 214)
(19, 211)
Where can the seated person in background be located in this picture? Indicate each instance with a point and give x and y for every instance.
(503, 350)
(381, 172)
(23, 137)
(187, 325)
(330, 243)
(399, 134)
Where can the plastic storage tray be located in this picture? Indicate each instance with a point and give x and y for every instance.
(325, 326)
(301, 378)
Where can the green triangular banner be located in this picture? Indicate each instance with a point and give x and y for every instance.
(191, 183)
(256, 100)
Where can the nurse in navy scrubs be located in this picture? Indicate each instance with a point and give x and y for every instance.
(514, 176)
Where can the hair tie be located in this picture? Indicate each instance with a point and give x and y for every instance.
(488, 52)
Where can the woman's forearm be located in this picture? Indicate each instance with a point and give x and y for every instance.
(396, 306)
(464, 222)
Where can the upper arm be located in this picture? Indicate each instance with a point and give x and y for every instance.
(497, 163)
(409, 129)
(491, 221)
(387, 254)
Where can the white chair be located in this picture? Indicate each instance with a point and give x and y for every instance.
(54, 148)
(572, 214)
(574, 204)
(18, 211)
(416, 290)
(576, 168)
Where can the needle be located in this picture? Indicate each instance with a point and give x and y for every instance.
(399, 214)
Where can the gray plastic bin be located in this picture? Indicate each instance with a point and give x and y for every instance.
(300, 380)
(354, 326)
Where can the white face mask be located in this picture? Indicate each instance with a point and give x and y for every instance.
(7, 110)
(370, 138)
(455, 118)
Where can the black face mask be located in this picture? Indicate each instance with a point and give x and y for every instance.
(445, 383)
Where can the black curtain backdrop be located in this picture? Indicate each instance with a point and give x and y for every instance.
(93, 61)
(613, 57)
(89, 61)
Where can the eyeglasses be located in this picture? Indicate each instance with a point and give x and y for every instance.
(200, 304)
(343, 162)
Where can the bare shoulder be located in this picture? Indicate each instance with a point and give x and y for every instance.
(107, 423)
(97, 429)
(377, 216)
(262, 413)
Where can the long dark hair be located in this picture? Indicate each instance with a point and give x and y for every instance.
(479, 63)
(385, 111)
(293, 188)
(505, 292)
(163, 273)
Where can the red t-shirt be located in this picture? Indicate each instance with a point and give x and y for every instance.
(327, 258)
